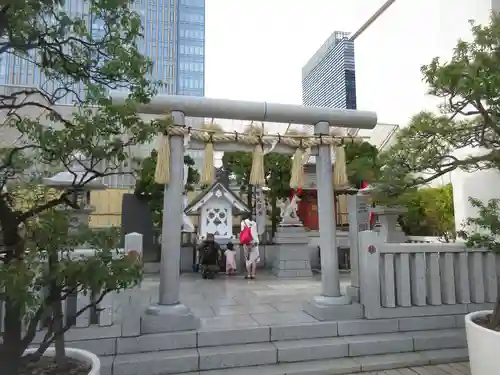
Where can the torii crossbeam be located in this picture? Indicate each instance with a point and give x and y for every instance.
(169, 314)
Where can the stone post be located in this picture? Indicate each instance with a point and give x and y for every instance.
(169, 314)
(331, 305)
(359, 221)
(132, 299)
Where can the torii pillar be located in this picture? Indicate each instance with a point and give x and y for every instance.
(169, 314)
(331, 304)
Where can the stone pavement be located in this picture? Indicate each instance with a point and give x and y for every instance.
(461, 368)
(233, 302)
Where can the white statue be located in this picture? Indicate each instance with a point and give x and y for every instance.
(282, 203)
(290, 210)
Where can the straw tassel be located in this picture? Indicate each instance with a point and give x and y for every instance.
(162, 170)
(340, 180)
(208, 173)
(305, 157)
(340, 168)
(257, 172)
(297, 173)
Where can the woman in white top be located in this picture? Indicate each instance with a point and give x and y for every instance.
(252, 255)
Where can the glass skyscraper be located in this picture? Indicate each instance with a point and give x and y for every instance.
(174, 39)
(328, 78)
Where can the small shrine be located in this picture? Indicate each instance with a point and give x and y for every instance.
(216, 207)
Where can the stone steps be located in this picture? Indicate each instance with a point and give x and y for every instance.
(353, 365)
(155, 364)
(290, 349)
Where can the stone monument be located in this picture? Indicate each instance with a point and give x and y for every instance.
(292, 256)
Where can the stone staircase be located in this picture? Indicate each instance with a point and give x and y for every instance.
(314, 348)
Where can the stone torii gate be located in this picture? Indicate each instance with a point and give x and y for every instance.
(169, 314)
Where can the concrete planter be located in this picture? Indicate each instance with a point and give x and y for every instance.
(79, 355)
(483, 346)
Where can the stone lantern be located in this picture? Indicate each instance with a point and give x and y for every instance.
(80, 182)
(386, 219)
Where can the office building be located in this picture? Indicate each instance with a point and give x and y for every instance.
(174, 39)
(328, 78)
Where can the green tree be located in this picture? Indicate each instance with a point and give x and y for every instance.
(277, 169)
(468, 86)
(147, 188)
(50, 242)
(483, 232)
(71, 55)
(361, 163)
(239, 165)
(430, 212)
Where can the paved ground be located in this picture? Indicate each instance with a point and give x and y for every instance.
(232, 301)
(450, 369)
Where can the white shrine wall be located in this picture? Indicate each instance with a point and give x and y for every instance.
(224, 206)
(483, 185)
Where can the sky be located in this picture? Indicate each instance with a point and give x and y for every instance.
(255, 49)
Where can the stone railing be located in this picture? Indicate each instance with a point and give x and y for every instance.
(412, 279)
(104, 313)
(424, 239)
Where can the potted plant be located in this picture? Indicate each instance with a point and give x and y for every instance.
(53, 269)
(483, 327)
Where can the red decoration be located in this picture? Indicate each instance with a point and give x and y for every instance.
(294, 193)
(372, 249)
(364, 185)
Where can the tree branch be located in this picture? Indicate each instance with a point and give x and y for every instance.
(63, 198)
(50, 338)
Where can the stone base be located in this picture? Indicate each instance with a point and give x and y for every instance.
(292, 254)
(168, 318)
(353, 293)
(333, 309)
(291, 222)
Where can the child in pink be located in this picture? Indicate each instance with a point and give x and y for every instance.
(230, 255)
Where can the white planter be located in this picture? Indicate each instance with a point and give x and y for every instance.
(78, 354)
(483, 346)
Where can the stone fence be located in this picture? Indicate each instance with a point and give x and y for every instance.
(268, 250)
(420, 279)
(394, 280)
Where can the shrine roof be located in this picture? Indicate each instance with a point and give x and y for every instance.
(225, 192)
